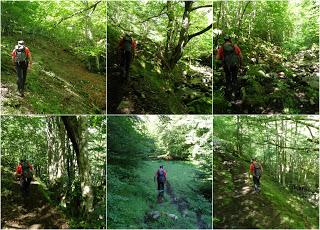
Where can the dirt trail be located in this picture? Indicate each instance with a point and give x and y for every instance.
(179, 203)
(183, 206)
(31, 212)
(246, 209)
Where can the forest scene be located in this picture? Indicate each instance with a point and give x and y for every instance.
(159, 57)
(62, 182)
(287, 148)
(66, 70)
(279, 44)
(137, 147)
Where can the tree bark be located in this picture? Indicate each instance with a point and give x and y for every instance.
(77, 130)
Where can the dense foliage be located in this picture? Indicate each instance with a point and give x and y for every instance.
(76, 25)
(172, 58)
(68, 156)
(137, 146)
(279, 43)
(288, 149)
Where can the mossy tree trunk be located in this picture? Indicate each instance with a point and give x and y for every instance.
(77, 130)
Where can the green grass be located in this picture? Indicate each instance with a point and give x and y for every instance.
(129, 199)
(58, 83)
(295, 212)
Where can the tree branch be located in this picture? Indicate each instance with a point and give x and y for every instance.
(198, 7)
(200, 32)
(78, 12)
(155, 16)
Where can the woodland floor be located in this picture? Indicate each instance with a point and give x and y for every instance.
(147, 91)
(134, 204)
(236, 205)
(176, 202)
(56, 83)
(30, 212)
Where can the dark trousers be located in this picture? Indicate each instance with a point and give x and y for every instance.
(25, 184)
(231, 81)
(256, 182)
(126, 60)
(21, 68)
(160, 185)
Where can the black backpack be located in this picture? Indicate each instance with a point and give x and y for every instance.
(127, 43)
(21, 54)
(26, 170)
(230, 58)
(161, 176)
(257, 169)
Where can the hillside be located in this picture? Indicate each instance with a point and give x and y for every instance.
(274, 207)
(58, 82)
(289, 193)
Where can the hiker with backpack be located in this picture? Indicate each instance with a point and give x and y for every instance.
(21, 58)
(231, 57)
(127, 48)
(25, 173)
(161, 176)
(256, 171)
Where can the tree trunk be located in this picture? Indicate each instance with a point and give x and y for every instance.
(77, 131)
(173, 51)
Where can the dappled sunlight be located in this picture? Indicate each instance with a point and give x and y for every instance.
(286, 220)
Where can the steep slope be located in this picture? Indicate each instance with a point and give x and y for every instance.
(28, 212)
(58, 82)
(236, 205)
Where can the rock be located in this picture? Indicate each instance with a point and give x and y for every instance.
(185, 213)
(154, 215)
(261, 73)
(172, 216)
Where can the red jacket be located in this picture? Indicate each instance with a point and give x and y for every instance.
(252, 168)
(19, 168)
(14, 54)
(133, 44)
(236, 50)
(164, 172)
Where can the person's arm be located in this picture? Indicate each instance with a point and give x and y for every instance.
(28, 53)
(30, 166)
(133, 46)
(13, 56)
(219, 54)
(238, 52)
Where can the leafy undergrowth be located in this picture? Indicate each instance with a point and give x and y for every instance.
(273, 207)
(272, 81)
(57, 83)
(150, 89)
(131, 200)
(33, 211)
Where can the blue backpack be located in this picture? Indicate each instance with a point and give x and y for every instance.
(161, 176)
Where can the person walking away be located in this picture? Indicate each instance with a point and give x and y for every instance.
(25, 173)
(161, 176)
(127, 48)
(231, 57)
(256, 171)
(21, 58)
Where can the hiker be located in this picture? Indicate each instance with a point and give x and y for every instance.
(161, 176)
(256, 171)
(25, 173)
(21, 58)
(231, 57)
(127, 48)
